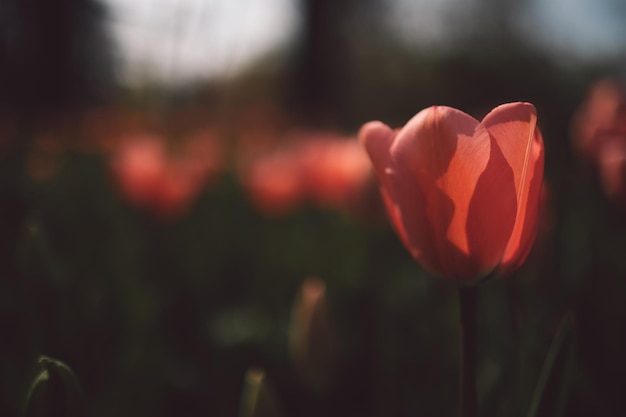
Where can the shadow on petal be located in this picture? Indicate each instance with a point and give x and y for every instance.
(425, 213)
(492, 213)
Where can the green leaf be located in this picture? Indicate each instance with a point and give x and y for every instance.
(552, 388)
(55, 392)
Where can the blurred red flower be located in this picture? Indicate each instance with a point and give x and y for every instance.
(326, 169)
(599, 133)
(612, 168)
(336, 170)
(138, 165)
(463, 195)
(600, 119)
(274, 181)
(166, 182)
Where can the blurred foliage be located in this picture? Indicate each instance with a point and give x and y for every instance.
(161, 317)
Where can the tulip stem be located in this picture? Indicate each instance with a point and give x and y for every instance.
(467, 351)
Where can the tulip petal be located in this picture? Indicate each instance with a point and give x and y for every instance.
(376, 138)
(443, 152)
(513, 126)
(492, 213)
(408, 201)
(521, 242)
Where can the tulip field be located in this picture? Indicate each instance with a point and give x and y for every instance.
(404, 234)
(169, 273)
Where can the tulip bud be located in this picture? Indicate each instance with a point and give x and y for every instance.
(336, 171)
(55, 391)
(258, 398)
(600, 119)
(599, 133)
(463, 195)
(139, 165)
(612, 169)
(312, 340)
(274, 182)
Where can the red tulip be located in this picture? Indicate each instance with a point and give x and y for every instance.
(463, 195)
(138, 166)
(167, 184)
(274, 182)
(599, 133)
(612, 169)
(600, 119)
(336, 170)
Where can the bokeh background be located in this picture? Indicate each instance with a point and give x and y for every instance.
(182, 200)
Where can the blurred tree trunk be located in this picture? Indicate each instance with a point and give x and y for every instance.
(322, 64)
(53, 54)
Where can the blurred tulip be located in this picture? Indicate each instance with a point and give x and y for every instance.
(327, 169)
(138, 166)
(187, 173)
(463, 195)
(336, 171)
(312, 339)
(601, 118)
(166, 184)
(599, 133)
(274, 182)
(612, 169)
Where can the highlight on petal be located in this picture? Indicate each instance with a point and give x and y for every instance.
(526, 224)
(513, 126)
(429, 140)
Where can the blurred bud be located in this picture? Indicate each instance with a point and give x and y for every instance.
(323, 168)
(149, 175)
(55, 391)
(138, 166)
(336, 169)
(599, 133)
(312, 339)
(258, 398)
(274, 182)
(186, 174)
(600, 118)
(612, 169)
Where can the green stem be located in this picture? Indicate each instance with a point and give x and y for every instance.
(467, 351)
